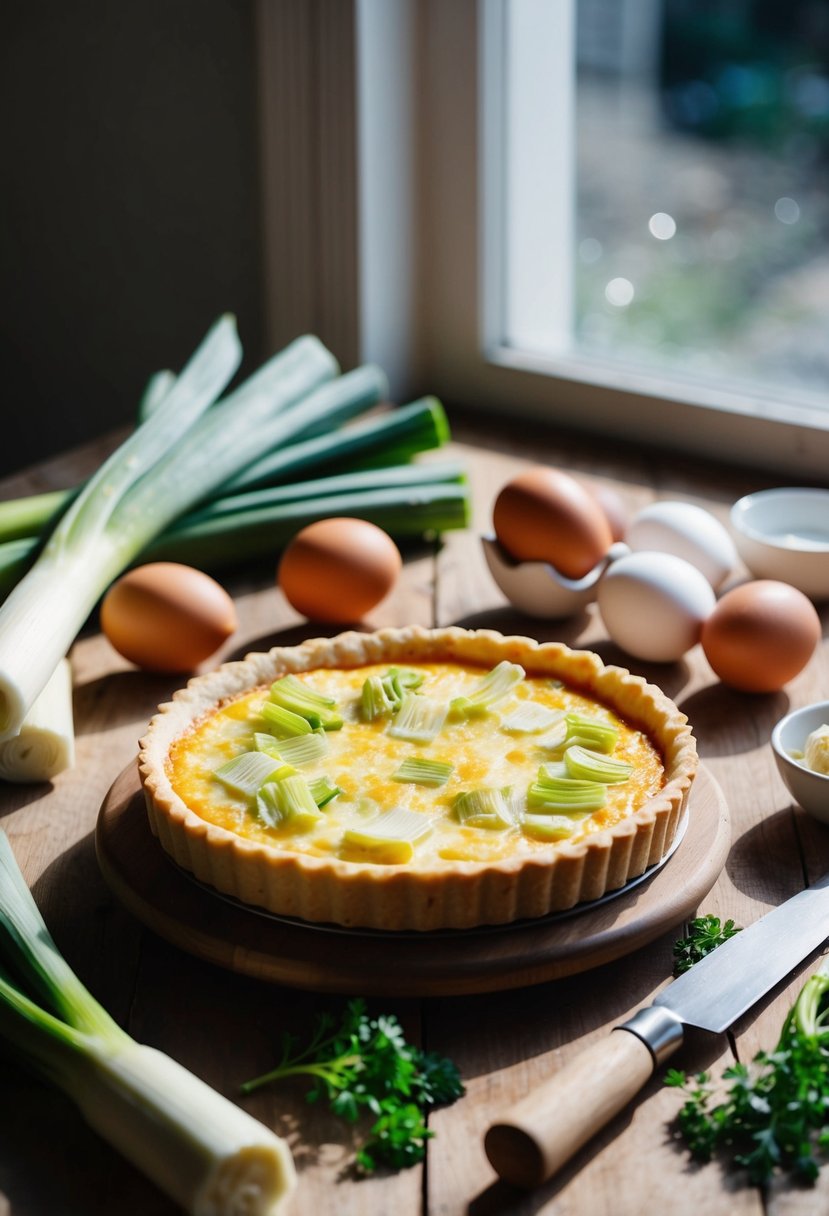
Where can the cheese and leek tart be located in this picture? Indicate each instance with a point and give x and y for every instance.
(417, 779)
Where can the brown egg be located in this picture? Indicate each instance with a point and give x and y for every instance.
(760, 635)
(338, 569)
(546, 515)
(614, 507)
(167, 617)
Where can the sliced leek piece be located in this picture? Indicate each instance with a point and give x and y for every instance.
(263, 742)
(529, 718)
(304, 749)
(301, 698)
(323, 790)
(46, 743)
(491, 689)
(485, 807)
(288, 802)
(399, 680)
(418, 720)
(593, 766)
(550, 827)
(595, 733)
(417, 770)
(246, 773)
(557, 737)
(391, 837)
(551, 770)
(284, 723)
(561, 795)
(375, 701)
(383, 695)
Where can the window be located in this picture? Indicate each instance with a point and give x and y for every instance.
(608, 214)
(652, 256)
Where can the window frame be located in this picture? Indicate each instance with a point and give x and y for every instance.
(398, 243)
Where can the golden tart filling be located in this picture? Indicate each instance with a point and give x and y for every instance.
(415, 779)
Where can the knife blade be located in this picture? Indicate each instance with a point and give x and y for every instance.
(528, 1144)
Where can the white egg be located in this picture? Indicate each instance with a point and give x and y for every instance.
(654, 605)
(686, 531)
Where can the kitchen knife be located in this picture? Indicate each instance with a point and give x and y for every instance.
(542, 1131)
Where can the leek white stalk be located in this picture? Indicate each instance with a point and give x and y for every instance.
(46, 743)
(157, 473)
(205, 1152)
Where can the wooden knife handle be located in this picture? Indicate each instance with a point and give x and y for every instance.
(542, 1131)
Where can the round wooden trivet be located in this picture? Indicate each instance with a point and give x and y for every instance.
(198, 920)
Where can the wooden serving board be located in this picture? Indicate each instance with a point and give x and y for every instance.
(318, 958)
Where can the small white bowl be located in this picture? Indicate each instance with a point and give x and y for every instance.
(538, 589)
(808, 788)
(784, 534)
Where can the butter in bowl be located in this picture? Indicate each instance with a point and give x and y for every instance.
(800, 743)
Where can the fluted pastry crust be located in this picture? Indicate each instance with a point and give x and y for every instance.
(467, 893)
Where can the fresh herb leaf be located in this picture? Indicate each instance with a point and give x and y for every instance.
(365, 1066)
(397, 1139)
(772, 1116)
(704, 935)
(438, 1082)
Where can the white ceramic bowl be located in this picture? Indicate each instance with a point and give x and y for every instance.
(809, 789)
(784, 534)
(538, 589)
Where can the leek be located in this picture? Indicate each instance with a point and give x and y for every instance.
(418, 720)
(211, 541)
(158, 387)
(264, 742)
(46, 743)
(249, 526)
(489, 690)
(416, 770)
(397, 477)
(375, 701)
(589, 765)
(391, 837)
(559, 795)
(529, 717)
(288, 801)
(246, 773)
(304, 749)
(390, 438)
(485, 808)
(21, 518)
(284, 723)
(206, 1153)
(551, 827)
(318, 709)
(157, 473)
(383, 695)
(594, 733)
(323, 790)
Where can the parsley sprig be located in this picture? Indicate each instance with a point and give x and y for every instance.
(364, 1065)
(705, 933)
(774, 1114)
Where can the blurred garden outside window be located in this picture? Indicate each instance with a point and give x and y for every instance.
(656, 211)
(610, 215)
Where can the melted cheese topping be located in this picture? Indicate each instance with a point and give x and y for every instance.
(362, 757)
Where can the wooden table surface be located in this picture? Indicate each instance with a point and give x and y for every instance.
(227, 1028)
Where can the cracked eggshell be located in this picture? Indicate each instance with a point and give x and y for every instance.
(654, 605)
(686, 531)
(537, 588)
